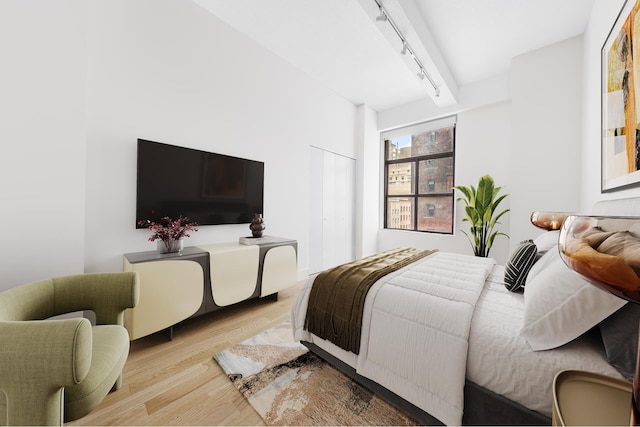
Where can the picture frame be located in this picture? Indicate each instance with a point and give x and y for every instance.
(620, 139)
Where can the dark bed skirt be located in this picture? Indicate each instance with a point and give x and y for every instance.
(482, 407)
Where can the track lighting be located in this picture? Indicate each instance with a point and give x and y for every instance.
(383, 16)
(422, 74)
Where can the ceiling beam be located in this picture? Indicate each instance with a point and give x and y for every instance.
(409, 22)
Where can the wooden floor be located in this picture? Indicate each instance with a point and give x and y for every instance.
(178, 383)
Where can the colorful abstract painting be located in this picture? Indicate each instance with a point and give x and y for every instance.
(621, 94)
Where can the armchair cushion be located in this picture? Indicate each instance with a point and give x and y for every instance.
(109, 353)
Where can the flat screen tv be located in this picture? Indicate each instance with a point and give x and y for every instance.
(208, 188)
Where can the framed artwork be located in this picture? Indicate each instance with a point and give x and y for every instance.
(621, 101)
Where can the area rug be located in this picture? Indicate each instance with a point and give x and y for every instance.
(288, 385)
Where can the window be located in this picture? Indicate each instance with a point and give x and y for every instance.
(419, 177)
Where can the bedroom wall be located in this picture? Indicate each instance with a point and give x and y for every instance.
(547, 134)
(42, 130)
(167, 70)
(368, 181)
(603, 16)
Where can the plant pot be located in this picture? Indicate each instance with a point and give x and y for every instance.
(169, 246)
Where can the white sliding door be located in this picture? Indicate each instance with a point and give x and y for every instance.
(332, 221)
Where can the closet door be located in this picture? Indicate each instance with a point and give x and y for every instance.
(332, 234)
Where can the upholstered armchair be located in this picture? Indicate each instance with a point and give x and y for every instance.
(55, 371)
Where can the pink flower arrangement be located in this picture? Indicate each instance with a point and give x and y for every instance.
(170, 229)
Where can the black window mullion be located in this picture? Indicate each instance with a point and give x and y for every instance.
(415, 194)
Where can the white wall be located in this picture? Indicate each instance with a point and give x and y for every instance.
(547, 134)
(42, 130)
(603, 15)
(168, 71)
(368, 180)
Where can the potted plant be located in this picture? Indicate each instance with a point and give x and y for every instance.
(169, 232)
(481, 207)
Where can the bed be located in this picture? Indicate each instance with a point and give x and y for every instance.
(496, 363)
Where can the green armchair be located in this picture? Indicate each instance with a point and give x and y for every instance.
(55, 371)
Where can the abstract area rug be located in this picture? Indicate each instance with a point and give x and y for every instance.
(288, 385)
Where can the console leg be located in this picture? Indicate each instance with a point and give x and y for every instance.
(170, 333)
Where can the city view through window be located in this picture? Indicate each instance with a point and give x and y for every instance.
(419, 180)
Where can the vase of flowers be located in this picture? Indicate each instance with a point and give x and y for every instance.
(169, 233)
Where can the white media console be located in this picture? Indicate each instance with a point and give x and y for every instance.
(201, 279)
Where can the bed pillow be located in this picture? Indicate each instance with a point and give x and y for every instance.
(559, 305)
(620, 338)
(595, 236)
(518, 265)
(546, 241)
(625, 245)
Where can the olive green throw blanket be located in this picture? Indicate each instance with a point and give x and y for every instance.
(336, 300)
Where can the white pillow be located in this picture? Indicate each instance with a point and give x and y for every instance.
(559, 305)
(547, 240)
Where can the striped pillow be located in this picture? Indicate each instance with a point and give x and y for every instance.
(518, 265)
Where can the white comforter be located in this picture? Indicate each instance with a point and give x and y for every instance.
(423, 314)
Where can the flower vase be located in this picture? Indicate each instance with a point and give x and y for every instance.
(170, 245)
(257, 225)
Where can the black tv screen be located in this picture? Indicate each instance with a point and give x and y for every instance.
(208, 188)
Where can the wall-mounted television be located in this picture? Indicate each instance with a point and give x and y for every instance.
(208, 188)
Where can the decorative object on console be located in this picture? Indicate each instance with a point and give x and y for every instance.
(606, 252)
(549, 220)
(169, 246)
(170, 234)
(257, 225)
(258, 240)
(481, 206)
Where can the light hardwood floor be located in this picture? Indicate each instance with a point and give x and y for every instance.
(178, 383)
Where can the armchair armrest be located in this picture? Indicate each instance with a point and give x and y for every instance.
(107, 294)
(37, 359)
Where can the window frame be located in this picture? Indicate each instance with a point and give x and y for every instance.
(424, 127)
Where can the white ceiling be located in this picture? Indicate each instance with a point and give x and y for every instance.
(339, 42)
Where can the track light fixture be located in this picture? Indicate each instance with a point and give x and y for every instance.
(422, 74)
